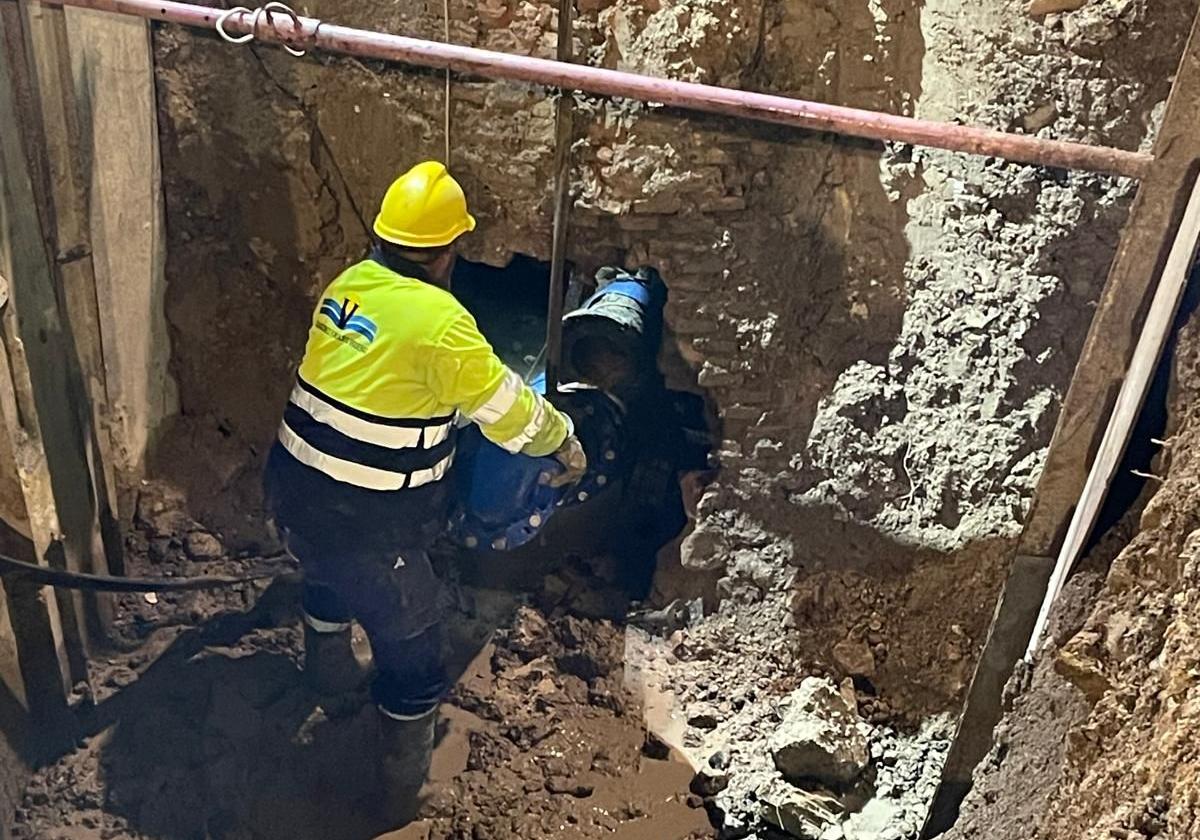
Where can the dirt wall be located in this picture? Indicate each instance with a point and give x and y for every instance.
(884, 333)
(1109, 716)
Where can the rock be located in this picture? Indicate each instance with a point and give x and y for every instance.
(712, 777)
(709, 782)
(703, 716)
(606, 694)
(804, 815)
(202, 545)
(854, 657)
(704, 549)
(569, 787)
(876, 816)
(654, 747)
(1079, 663)
(820, 738)
(162, 510)
(1050, 7)
(1040, 117)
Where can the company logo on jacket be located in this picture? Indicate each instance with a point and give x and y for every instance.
(346, 320)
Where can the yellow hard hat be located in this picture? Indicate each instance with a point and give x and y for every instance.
(424, 208)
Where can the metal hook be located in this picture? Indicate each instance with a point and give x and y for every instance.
(276, 6)
(226, 15)
(268, 9)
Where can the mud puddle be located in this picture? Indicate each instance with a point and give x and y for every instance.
(541, 740)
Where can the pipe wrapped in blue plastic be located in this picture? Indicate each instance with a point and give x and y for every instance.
(504, 500)
(610, 348)
(611, 341)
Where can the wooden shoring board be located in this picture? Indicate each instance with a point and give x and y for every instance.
(1108, 348)
(113, 67)
(67, 368)
(99, 549)
(49, 421)
(1153, 339)
(66, 129)
(37, 625)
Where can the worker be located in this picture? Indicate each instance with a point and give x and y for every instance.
(357, 481)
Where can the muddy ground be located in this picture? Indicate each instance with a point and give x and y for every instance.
(213, 732)
(565, 721)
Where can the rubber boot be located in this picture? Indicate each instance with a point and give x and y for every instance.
(407, 752)
(331, 666)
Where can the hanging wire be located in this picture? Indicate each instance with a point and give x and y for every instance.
(446, 38)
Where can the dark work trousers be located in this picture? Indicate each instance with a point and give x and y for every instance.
(394, 596)
(364, 558)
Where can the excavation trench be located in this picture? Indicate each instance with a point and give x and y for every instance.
(767, 626)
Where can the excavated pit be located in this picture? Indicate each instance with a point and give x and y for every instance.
(874, 341)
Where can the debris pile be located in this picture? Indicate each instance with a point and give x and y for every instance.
(813, 769)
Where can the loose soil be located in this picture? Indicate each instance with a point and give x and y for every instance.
(1101, 743)
(213, 732)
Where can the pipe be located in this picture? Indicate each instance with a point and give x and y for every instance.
(611, 341)
(308, 33)
(564, 125)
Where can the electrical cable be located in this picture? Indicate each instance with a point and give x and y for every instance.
(64, 579)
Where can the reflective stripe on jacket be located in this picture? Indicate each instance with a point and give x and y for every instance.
(390, 360)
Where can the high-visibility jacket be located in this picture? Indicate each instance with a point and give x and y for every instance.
(390, 362)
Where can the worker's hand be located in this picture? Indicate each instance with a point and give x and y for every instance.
(574, 461)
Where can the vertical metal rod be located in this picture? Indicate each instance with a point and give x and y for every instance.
(564, 124)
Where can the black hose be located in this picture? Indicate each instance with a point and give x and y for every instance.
(63, 579)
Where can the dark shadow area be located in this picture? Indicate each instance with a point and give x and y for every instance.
(509, 304)
(1128, 485)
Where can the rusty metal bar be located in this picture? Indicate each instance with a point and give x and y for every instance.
(308, 33)
(564, 124)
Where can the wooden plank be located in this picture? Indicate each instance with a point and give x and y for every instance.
(37, 627)
(67, 366)
(50, 403)
(1152, 340)
(113, 68)
(1108, 348)
(65, 143)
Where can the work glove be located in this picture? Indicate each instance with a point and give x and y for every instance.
(574, 461)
